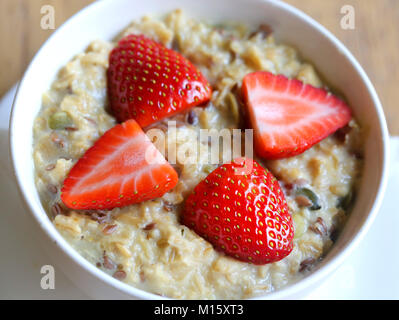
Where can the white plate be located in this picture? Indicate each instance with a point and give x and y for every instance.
(372, 271)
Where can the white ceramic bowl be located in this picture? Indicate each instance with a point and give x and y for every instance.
(104, 19)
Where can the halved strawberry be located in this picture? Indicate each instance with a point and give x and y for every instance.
(123, 167)
(288, 116)
(148, 82)
(243, 214)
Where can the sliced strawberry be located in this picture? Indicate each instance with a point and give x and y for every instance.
(148, 82)
(288, 116)
(123, 167)
(243, 214)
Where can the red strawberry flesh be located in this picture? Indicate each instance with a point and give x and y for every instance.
(123, 167)
(148, 82)
(245, 216)
(288, 116)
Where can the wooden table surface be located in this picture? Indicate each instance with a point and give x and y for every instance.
(374, 40)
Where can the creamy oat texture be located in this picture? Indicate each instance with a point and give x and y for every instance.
(144, 245)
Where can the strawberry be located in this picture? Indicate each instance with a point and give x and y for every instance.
(123, 167)
(148, 82)
(243, 215)
(288, 116)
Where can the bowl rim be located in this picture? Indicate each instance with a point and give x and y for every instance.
(310, 280)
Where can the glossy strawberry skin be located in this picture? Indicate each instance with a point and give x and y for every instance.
(288, 116)
(123, 167)
(245, 216)
(148, 82)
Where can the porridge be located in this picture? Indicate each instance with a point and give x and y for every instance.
(145, 244)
